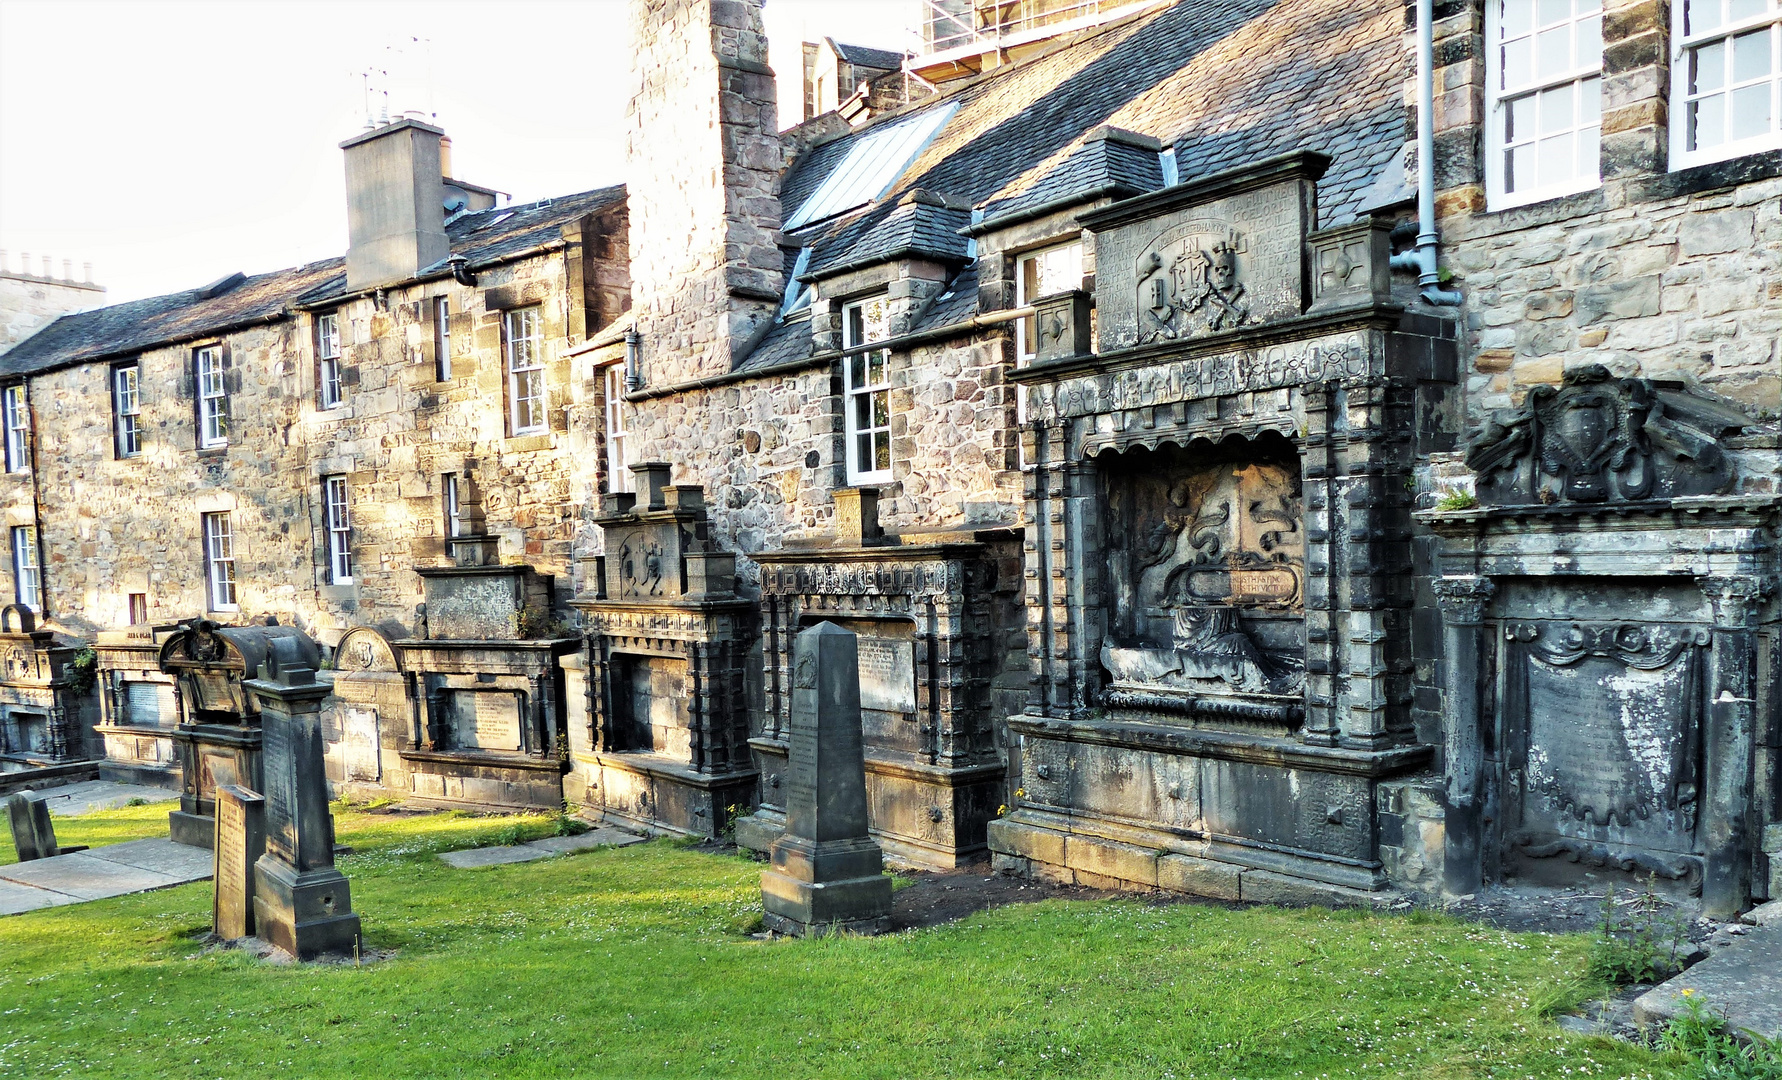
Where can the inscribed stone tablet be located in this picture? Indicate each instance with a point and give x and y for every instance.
(887, 675)
(240, 841)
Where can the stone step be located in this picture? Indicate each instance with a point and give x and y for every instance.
(1741, 983)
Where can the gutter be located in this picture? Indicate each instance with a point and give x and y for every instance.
(822, 359)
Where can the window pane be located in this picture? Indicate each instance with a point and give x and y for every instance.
(1589, 48)
(1556, 160)
(1745, 9)
(1705, 122)
(863, 453)
(862, 411)
(1556, 110)
(1707, 68)
(1585, 7)
(1590, 101)
(875, 368)
(1518, 63)
(1552, 11)
(1589, 149)
(881, 453)
(1518, 17)
(1518, 163)
(1521, 126)
(856, 372)
(881, 409)
(856, 329)
(1703, 15)
(1751, 57)
(1553, 50)
(1750, 112)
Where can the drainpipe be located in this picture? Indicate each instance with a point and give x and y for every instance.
(1424, 262)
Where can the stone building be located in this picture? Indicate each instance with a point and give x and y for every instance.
(1191, 543)
(295, 445)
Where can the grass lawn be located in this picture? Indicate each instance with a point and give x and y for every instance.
(636, 962)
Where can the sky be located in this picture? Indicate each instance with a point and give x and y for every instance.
(170, 144)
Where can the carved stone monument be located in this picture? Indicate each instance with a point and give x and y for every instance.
(828, 874)
(302, 904)
(666, 746)
(240, 841)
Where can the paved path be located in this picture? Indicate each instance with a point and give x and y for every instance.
(1742, 983)
(112, 870)
(73, 800)
(501, 854)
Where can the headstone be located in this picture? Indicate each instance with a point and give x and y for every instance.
(31, 833)
(240, 841)
(302, 904)
(828, 874)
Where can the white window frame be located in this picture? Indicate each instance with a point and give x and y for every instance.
(1684, 44)
(522, 341)
(328, 361)
(126, 397)
(18, 426)
(864, 322)
(442, 339)
(618, 431)
(450, 506)
(337, 518)
(213, 397)
(1059, 276)
(219, 562)
(1585, 83)
(27, 572)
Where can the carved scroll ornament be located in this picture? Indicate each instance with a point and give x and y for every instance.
(1598, 438)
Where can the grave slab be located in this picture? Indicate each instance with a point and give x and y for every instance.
(15, 899)
(476, 858)
(85, 878)
(1742, 983)
(158, 855)
(594, 838)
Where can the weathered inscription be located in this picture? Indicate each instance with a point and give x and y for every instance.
(281, 798)
(240, 841)
(887, 675)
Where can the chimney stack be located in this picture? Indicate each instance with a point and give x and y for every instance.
(395, 203)
(703, 161)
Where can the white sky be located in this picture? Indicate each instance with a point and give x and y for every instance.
(172, 143)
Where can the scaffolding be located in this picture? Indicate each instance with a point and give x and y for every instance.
(963, 37)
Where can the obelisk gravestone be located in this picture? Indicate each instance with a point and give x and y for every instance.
(302, 904)
(827, 874)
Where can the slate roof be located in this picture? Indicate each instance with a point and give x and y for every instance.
(484, 237)
(866, 56)
(787, 341)
(915, 228)
(1105, 166)
(1222, 81)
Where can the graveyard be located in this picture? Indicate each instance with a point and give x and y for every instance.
(643, 961)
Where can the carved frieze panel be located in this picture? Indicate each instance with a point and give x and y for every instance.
(1334, 357)
(1598, 438)
(1206, 568)
(1204, 258)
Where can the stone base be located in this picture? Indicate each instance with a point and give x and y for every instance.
(930, 817)
(193, 830)
(758, 831)
(122, 772)
(306, 913)
(823, 887)
(1046, 852)
(483, 779)
(658, 794)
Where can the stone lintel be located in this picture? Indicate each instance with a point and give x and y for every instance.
(1226, 746)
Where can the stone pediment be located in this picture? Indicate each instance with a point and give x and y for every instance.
(365, 649)
(1598, 438)
(1207, 256)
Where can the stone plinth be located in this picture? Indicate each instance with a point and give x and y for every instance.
(828, 874)
(302, 904)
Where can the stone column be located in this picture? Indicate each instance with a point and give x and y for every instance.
(1727, 744)
(1317, 468)
(1464, 642)
(302, 903)
(827, 873)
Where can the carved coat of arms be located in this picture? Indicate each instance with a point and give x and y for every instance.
(1190, 282)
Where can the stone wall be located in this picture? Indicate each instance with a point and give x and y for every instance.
(703, 161)
(1661, 274)
(29, 302)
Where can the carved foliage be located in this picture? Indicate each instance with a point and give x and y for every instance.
(1602, 439)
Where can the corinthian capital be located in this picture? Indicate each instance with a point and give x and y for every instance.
(1463, 599)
